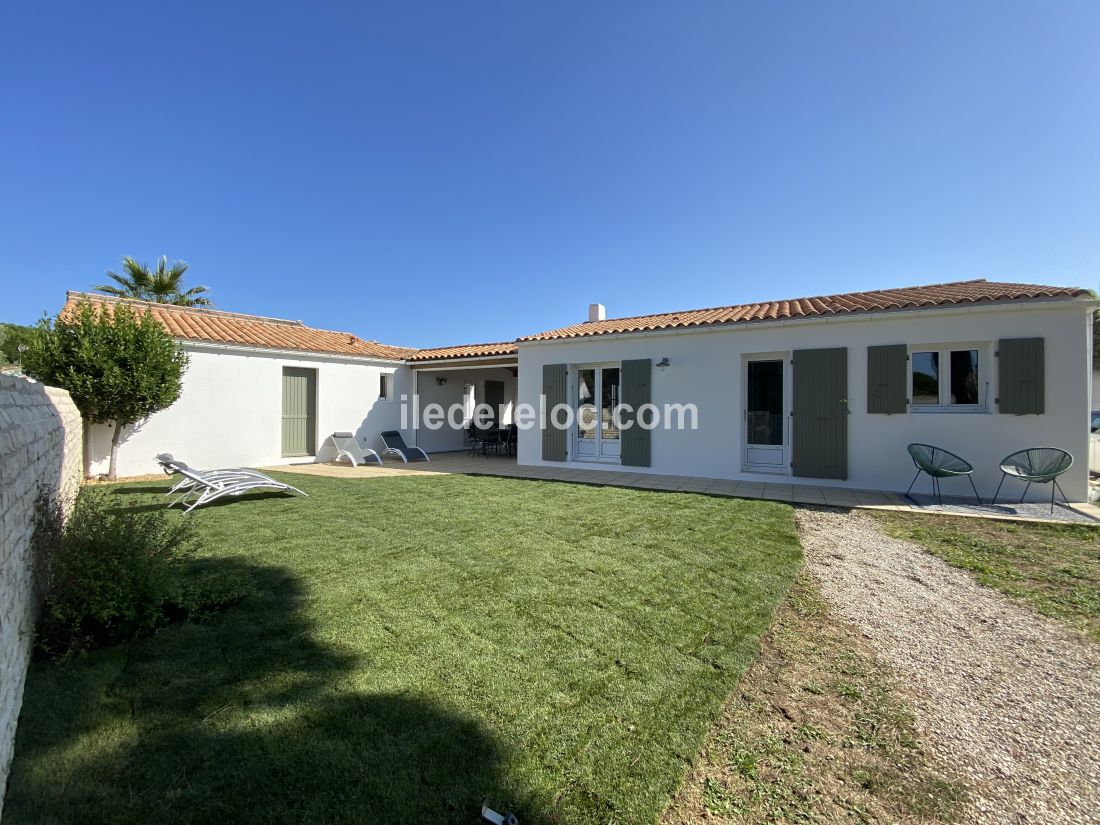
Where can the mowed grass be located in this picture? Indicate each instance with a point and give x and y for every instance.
(1053, 567)
(414, 645)
(817, 731)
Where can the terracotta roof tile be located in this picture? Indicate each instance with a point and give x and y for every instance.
(934, 295)
(466, 351)
(194, 324)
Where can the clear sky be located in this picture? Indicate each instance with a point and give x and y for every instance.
(441, 173)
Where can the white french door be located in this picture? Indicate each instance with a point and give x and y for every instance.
(767, 408)
(596, 438)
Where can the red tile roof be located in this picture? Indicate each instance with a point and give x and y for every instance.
(466, 351)
(934, 295)
(195, 324)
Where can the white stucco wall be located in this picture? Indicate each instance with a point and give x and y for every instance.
(707, 370)
(430, 392)
(230, 411)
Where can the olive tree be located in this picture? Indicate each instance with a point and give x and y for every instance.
(119, 365)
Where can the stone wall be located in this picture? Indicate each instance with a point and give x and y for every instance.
(41, 439)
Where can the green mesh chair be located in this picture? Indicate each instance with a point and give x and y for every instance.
(1036, 465)
(939, 463)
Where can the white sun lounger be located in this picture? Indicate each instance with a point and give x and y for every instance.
(171, 465)
(347, 448)
(208, 485)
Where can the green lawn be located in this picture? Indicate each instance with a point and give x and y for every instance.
(1053, 567)
(413, 645)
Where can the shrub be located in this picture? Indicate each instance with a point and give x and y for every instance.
(113, 573)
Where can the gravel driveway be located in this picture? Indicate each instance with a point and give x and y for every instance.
(1008, 700)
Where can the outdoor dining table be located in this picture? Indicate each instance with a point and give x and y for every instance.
(480, 440)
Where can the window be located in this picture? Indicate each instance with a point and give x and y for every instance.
(926, 378)
(384, 381)
(586, 403)
(764, 412)
(597, 437)
(946, 377)
(469, 402)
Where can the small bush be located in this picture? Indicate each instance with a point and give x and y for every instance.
(113, 573)
(49, 527)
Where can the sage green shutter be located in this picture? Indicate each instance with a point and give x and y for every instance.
(299, 411)
(554, 393)
(887, 379)
(635, 378)
(1021, 376)
(819, 422)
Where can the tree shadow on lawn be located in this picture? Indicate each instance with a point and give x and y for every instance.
(244, 719)
(163, 502)
(125, 489)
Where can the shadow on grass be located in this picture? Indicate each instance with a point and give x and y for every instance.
(142, 489)
(246, 718)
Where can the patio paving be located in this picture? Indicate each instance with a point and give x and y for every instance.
(1028, 510)
(464, 463)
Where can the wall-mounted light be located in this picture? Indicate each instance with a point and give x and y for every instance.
(441, 381)
(663, 364)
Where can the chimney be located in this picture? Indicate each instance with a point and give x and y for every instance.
(596, 312)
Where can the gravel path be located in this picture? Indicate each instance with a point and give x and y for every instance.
(1007, 699)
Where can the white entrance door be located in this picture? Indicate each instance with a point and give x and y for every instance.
(766, 410)
(597, 394)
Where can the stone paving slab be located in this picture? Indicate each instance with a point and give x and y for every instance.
(845, 497)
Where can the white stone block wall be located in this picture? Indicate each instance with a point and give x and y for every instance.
(41, 442)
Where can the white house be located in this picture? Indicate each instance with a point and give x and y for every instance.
(825, 390)
(258, 391)
(267, 391)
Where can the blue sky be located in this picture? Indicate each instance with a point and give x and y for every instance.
(437, 173)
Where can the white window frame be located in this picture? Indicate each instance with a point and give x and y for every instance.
(784, 467)
(985, 377)
(469, 404)
(574, 399)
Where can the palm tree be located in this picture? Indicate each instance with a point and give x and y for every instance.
(161, 286)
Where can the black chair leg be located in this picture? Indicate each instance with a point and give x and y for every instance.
(975, 489)
(1028, 487)
(911, 483)
(1053, 484)
(939, 492)
(1002, 481)
(1059, 486)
